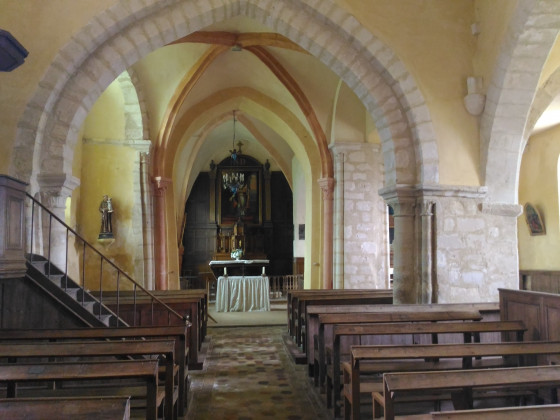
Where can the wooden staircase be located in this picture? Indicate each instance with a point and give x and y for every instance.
(68, 293)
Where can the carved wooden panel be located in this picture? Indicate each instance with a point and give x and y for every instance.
(271, 240)
(12, 228)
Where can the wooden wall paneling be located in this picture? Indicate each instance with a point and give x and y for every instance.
(272, 239)
(24, 305)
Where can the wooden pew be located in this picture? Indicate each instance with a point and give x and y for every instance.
(535, 412)
(107, 408)
(88, 349)
(180, 333)
(333, 297)
(139, 311)
(398, 386)
(293, 297)
(469, 331)
(399, 313)
(304, 330)
(200, 295)
(145, 370)
(391, 358)
(489, 311)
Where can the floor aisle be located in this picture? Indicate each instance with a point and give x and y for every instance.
(248, 375)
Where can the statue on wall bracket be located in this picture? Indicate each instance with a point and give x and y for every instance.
(106, 210)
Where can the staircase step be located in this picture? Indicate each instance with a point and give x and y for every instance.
(106, 319)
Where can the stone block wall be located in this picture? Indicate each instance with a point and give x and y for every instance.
(360, 218)
(476, 249)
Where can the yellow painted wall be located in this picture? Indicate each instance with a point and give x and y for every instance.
(106, 118)
(493, 19)
(107, 167)
(539, 186)
(108, 170)
(43, 28)
(433, 40)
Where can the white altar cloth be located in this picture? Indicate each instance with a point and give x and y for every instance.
(242, 294)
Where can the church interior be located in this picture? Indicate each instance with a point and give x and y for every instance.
(176, 162)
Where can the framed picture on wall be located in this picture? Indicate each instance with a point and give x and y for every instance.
(534, 220)
(242, 199)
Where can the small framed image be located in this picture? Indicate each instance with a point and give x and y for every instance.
(301, 232)
(534, 220)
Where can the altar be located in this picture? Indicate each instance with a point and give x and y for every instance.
(238, 267)
(242, 294)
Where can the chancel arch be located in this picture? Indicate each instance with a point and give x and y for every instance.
(368, 66)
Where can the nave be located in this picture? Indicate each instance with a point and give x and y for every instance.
(249, 375)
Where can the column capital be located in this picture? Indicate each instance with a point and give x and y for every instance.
(426, 208)
(327, 187)
(56, 188)
(161, 184)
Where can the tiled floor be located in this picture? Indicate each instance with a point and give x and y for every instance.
(248, 375)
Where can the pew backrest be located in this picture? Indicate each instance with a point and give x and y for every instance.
(69, 408)
(180, 333)
(146, 370)
(13, 351)
(466, 352)
(395, 385)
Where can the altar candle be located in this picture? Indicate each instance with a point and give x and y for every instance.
(263, 270)
(225, 271)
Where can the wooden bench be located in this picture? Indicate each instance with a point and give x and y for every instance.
(293, 297)
(535, 412)
(468, 331)
(139, 311)
(399, 313)
(391, 358)
(88, 349)
(145, 370)
(334, 297)
(108, 408)
(179, 333)
(488, 311)
(398, 386)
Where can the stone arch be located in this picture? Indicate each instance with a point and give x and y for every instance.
(136, 115)
(543, 98)
(532, 33)
(121, 35)
(247, 101)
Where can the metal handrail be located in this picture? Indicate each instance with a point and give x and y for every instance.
(119, 271)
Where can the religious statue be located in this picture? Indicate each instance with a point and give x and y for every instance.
(106, 210)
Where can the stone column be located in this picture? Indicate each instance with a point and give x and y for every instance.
(54, 190)
(327, 187)
(427, 238)
(141, 269)
(403, 201)
(160, 234)
(339, 157)
(12, 228)
(147, 221)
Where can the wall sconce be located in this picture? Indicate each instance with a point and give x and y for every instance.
(475, 100)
